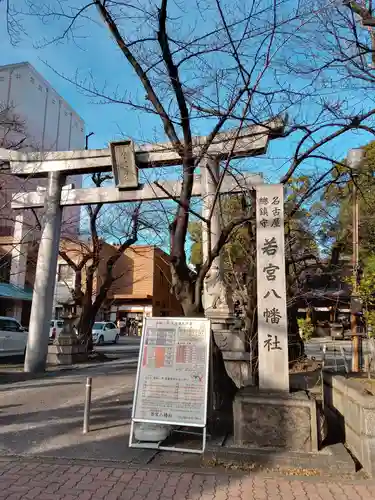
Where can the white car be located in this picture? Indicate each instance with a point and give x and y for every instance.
(13, 337)
(56, 327)
(105, 331)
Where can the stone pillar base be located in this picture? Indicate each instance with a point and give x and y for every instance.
(221, 319)
(270, 420)
(236, 359)
(238, 367)
(66, 354)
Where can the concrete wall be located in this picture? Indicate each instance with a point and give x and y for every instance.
(354, 411)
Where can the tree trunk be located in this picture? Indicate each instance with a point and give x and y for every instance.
(86, 322)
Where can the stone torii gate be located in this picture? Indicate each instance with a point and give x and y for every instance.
(124, 159)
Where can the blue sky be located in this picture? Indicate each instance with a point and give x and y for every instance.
(97, 54)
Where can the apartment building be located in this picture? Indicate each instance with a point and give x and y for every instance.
(33, 116)
(141, 287)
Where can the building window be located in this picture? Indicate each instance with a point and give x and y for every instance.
(32, 79)
(162, 278)
(65, 273)
(40, 88)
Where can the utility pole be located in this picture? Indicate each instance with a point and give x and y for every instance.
(354, 160)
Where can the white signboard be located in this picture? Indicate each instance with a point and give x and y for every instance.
(173, 367)
(271, 289)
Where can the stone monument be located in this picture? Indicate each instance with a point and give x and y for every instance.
(270, 416)
(66, 348)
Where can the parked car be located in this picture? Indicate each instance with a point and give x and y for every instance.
(13, 337)
(105, 331)
(55, 328)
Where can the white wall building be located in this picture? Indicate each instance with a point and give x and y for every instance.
(43, 121)
(33, 116)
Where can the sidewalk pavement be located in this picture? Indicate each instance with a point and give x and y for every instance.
(44, 417)
(41, 424)
(47, 480)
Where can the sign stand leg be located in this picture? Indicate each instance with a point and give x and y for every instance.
(159, 446)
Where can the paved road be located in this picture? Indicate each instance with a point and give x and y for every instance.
(127, 348)
(124, 345)
(44, 416)
(44, 480)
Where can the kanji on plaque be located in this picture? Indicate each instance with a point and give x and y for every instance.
(272, 315)
(272, 343)
(274, 293)
(270, 246)
(270, 272)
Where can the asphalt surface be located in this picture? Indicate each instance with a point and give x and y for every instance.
(125, 345)
(44, 416)
(127, 348)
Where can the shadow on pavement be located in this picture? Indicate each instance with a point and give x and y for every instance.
(13, 377)
(12, 388)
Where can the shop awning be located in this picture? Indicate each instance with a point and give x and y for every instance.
(9, 291)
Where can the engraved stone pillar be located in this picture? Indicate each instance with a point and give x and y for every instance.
(271, 285)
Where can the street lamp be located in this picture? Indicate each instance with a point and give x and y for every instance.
(354, 160)
(87, 139)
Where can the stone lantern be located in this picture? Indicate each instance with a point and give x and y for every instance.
(66, 349)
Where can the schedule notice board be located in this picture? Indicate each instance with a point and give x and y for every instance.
(173, 367)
